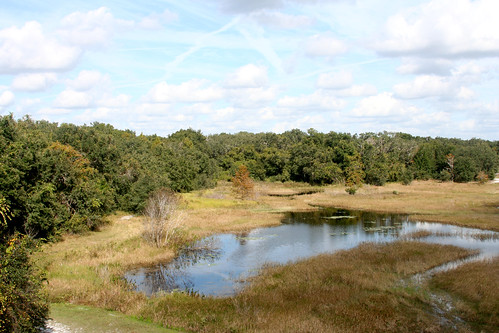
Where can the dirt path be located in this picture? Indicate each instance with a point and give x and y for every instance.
(55, 327)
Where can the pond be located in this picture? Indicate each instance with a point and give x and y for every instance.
(218, 265)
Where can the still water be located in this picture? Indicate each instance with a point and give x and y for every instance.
(218, 265)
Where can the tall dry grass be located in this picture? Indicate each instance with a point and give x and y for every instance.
(475, 287)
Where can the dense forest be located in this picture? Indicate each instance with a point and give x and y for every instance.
(64, 178)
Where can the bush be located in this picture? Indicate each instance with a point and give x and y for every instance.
(23, 308)
(351, 190)
(482, 177)
(163, 222)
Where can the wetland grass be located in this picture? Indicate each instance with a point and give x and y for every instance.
(475, 288)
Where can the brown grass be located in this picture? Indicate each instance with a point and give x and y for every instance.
(470, 204)
(476, 288)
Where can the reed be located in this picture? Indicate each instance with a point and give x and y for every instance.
(475, 287)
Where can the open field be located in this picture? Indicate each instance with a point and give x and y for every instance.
(469, 204)
(86, 269)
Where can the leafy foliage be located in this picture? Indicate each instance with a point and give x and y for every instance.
(22, 306)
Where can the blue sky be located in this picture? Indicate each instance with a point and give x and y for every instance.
(428, 68)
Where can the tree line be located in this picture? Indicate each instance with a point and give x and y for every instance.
(65, 178)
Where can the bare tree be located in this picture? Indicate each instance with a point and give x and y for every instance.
(163, 219)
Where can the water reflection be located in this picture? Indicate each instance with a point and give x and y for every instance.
(219, 268)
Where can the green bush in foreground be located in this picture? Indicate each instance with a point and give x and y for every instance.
(23, 308)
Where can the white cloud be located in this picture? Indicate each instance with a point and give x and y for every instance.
(28, 49)
(280, 20)
(110, 102)
(87, 80)
(156, 21)
(34, 82)
(252, 97)
(6, 98)
(338, 80)
(71, 99)
(224, 114)
(444, 28)
(91, 29)
(357, 90)
(192, 91)
(382, 105)
(248, 76)
(319, 100)
(324, 46)
(424, 86)
(425, 66)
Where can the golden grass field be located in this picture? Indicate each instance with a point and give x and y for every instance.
(87, 269)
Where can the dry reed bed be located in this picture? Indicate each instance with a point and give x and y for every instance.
(475, 287)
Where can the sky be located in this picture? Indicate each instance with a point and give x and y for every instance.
(427, 68)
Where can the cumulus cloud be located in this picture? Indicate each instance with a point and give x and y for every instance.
(248, 76)
(444, 28)
(88, 79)
(318, 100)
(27, 49)
(252, 97)
(6, 98)
(424, 86)
(357, 90)
(425, 66)
(91, 29)
(337, 80)
(192, 91)
(382, 105)
(71, 99)
(324, 46)
(113, 102)
(33, 82)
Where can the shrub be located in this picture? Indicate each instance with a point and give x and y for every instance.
(163, 219)
(482, 177)
(351, 190)
(23, 307)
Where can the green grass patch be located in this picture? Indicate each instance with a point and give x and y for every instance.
(84, 319)
(196, 201)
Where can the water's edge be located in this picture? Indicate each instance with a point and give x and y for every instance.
(219, 265)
